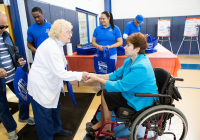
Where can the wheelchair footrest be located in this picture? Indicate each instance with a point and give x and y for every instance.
(108, 134)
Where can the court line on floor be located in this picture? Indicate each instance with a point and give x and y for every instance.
(189, 87)
(190, 66)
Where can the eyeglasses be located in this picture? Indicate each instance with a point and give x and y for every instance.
(2, 27)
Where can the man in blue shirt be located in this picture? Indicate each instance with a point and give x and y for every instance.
(38, 32)
(133, 26)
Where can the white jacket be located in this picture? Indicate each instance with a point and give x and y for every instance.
(47, 74)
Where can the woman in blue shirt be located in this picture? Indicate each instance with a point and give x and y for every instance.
(107, 35)
(135, 76)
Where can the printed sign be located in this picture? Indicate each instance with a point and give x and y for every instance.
(163, 28)
(191, 27)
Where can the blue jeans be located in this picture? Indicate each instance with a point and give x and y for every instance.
(5, 115)
(47, 120)
(111, 57)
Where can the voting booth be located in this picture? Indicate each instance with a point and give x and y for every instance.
(191, 32)
(163, 31)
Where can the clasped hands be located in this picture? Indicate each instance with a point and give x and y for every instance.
(101, 47)
(89, 77)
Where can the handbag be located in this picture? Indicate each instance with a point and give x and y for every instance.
(103, 64)
(152, 42)
(20, 85)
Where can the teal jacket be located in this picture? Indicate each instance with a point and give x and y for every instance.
(136, 78)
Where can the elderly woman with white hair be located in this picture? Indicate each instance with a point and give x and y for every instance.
(45, 81)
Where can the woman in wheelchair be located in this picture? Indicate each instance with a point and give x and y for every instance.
(135, 76)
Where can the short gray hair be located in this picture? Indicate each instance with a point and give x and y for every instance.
(58, 26)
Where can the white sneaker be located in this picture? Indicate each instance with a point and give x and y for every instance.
(12, 135)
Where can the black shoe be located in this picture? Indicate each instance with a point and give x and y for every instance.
(99, 93)
(64, 133)
(89, 124)
(91, 131)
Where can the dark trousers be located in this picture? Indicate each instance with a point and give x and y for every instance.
(5, 115)
(47, 120)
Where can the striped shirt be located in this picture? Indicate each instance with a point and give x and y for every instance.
(6, 61)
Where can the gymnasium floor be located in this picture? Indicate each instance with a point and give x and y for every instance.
(189, 89)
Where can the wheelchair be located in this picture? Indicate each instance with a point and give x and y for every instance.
(157, 122)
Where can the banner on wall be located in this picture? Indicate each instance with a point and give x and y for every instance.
(163, 28)
(192, 27)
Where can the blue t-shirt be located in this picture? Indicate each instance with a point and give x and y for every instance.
(131, 28)
(107, 36)
(37, 33)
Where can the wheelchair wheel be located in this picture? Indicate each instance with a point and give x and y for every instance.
(161, 122)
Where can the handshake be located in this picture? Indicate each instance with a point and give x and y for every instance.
(89, 77)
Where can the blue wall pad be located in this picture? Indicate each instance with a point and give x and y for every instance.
(120, 24)
(72, 16)
(144, 26)
(56, 13)
(190, 66)
(152, 26)
(177, 30)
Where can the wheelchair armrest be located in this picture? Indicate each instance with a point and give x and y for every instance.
(150, 95)
(153, 95)
(177, 79)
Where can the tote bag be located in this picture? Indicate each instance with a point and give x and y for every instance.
(103, 64)
(20, 85)
(152, 42)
